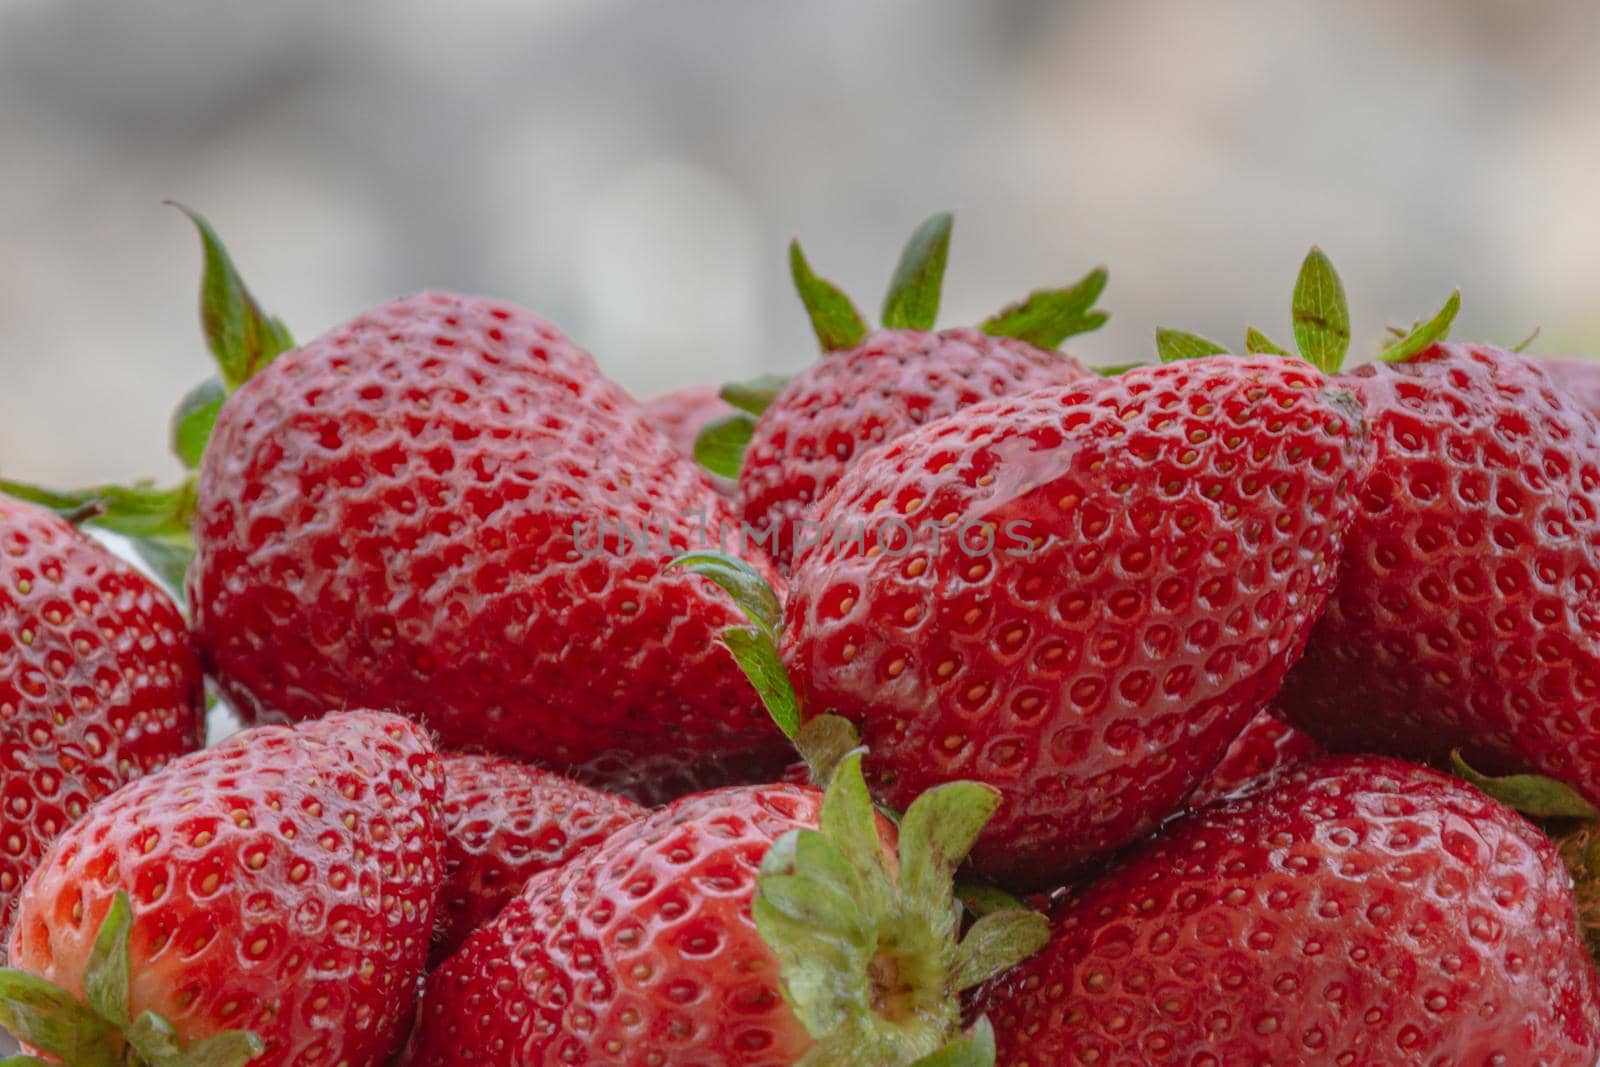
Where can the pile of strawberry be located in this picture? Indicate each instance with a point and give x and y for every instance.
(950, 703)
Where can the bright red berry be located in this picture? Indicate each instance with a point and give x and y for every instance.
(1079, 595)
(281, 882)
(1363, 911)
(505, 822)
(1467, 613)
(443, 508)
(98, 682)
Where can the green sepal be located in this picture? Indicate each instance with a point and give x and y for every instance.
(96, 1032)
(1321, 313)
(754, 648)
(1523, 345)
(740, 581)
(834, 318)
(155, 520)
(982, 898)
(242, 337)
(1533, 795)
(720, 446)
(1114, 369)
(936, 833)
(912, 302)
(1049, 316)
(754, 395)
(1424, 334)
(758, 657)
(105, 975)
(868, 951)
(823, 742)
(48, 1018)
(1173, 345)
(996, 943)
(194, 419)
(1259, 344)
(25, 1061)
(974, 1050)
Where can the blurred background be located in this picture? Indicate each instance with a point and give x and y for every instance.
(633, 171)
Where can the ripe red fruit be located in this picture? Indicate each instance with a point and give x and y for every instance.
(834, 413)
(725, 931)
(1125, 570)
(420, 511)
(1266, 747)
(1363, 911)
(503, 823)
(1467, 613)
(282, 882)
(98, 682)
(868, 390)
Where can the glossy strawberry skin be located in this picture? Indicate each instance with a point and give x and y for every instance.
(640, 952)
(99, 682)
(282, 881)
(833, 413)
(1266, 748)
(1363, 912)
(1180, 529)
(408, 513)
(503, 823)
(1467, 612)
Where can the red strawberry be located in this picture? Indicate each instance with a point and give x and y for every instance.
(1467, 613)
(664, 945)
(868, 390)
(503, 823)
(681, 414)
(282, 883)
(1126, 568)
(1364, 911)
(421, 511)
(1267, 747)
(98, 682)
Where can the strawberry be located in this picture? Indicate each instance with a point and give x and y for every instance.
(870, 389)
(1467, 614)
(504, 822)
(1198, 509)
(727, 930)
(1363, 911)
(439, 508)
(98, 682)
(1267, 747)
(267, 900)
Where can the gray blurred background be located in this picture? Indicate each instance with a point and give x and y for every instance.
(633, 169)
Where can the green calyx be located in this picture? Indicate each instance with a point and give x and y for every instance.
(100, 1031)
(1534, 795)
(873, 959)
(1045, 319)
(1320, 315)
(242, 339)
